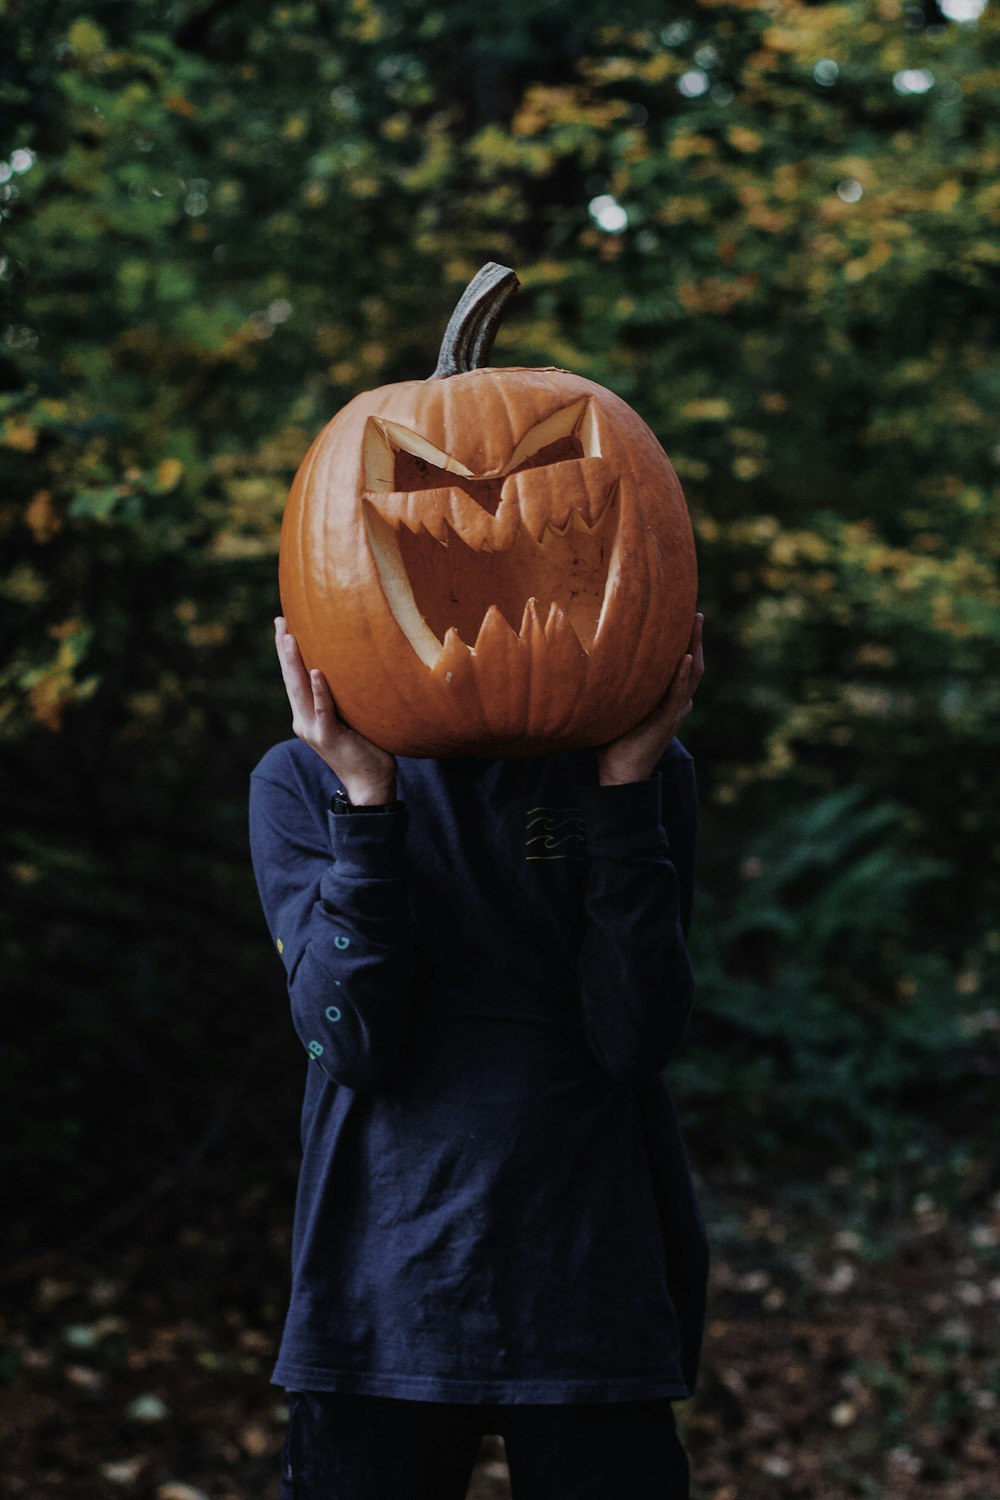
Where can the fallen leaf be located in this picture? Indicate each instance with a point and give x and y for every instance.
(147, 1408)
(255, 1440)
(123, 1470)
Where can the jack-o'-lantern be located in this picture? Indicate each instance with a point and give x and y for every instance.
(492, 561)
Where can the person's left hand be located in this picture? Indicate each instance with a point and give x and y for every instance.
(633, 757)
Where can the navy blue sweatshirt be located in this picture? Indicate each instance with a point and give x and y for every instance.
(494, 1202)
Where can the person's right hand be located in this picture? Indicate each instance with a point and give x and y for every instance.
(367, 771)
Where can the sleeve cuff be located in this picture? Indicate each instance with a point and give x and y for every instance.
(624, 818)
(369, 843)
(340, 805)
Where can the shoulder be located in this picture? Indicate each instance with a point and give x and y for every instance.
(290, 789)
(295, 766)
(274, 764)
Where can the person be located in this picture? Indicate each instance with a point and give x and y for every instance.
(495, 1225)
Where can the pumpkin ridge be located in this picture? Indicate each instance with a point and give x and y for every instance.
(303, 598)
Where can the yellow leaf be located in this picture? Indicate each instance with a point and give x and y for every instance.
(946, 195)
(19, 436)
(25, 584)
(86, 38)
(743, 139)
(168, 472)
(43, 520)
(715, 294)
(687, 144)
(706, 410)
(690, 468)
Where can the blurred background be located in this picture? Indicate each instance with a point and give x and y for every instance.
(772, 227)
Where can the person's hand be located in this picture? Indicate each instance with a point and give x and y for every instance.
(367, 771)
(633, 757)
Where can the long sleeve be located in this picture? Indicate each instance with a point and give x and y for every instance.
(338, 912)
(635, 978)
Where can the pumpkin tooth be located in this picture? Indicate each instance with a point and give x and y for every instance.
(468, 521)
(421, 511)
(559, 527)
(541, 513)
(505, 525)
(390, 513)
(454, 659)
(555, 620)
(494, 633)
(531, 625)
(436, 526)
(559, 633)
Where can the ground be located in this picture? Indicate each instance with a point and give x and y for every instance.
(838, 1362)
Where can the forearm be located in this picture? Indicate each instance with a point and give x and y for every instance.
(635, 978)
(351, 991)
(340, 919)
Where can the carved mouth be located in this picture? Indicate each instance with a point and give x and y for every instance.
(536, 539)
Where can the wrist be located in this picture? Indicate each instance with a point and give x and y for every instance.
(373, 794)
(609, 774)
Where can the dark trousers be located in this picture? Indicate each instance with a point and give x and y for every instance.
(348, 1447)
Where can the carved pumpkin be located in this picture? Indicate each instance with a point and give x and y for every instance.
(489, 561)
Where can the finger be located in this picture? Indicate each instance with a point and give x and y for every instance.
(676, 693)
(698, 650)
(323, 704)
(679, 686)
(294, 673)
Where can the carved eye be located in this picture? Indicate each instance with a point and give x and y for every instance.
(397, 459)
(412, 472)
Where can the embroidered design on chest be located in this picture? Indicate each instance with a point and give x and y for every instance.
(554, 833)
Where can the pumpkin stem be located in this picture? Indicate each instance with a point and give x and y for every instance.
(468, 338)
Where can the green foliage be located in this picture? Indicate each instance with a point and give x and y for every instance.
(826, 1016)
(772, 227)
